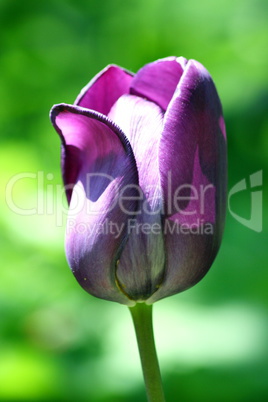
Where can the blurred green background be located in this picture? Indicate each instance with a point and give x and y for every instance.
(58, 343)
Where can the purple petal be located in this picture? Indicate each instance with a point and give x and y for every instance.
(105, 88)
(157, 81)
(140, 269)
(192, 151)
(99, 159)
(192, 159)
(188, 257)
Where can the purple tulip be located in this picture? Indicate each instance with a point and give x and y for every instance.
(144, 165)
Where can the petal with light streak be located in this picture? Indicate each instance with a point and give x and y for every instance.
(192, 162)
(99, 159)
(140, 269)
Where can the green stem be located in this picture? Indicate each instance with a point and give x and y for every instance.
(142, 319)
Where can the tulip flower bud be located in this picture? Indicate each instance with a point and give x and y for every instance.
(145, 155)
